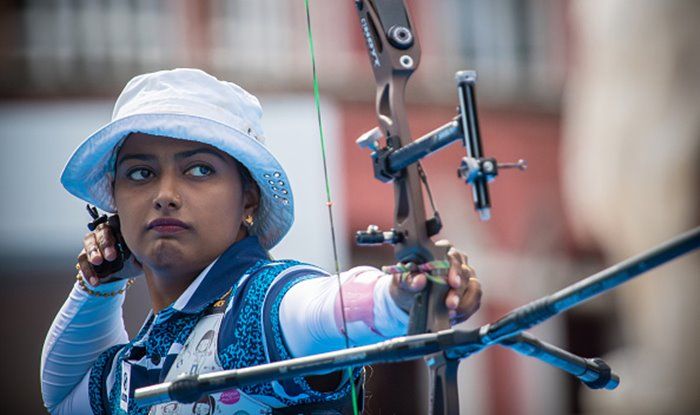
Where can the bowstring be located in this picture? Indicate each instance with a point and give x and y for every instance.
(329, 200)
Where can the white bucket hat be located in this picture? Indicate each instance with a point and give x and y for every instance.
(186, 104)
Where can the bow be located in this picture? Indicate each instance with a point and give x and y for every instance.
(394, 54)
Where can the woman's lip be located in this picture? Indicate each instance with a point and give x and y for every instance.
(167, 225)
(167, 229)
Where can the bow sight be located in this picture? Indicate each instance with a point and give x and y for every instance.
(394, 53)
(475, 169)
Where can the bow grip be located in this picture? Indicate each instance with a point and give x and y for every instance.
(429, 313)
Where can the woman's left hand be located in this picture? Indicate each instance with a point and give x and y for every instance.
(462, 299)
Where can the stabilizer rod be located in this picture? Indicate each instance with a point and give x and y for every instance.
(595, 373)
(539, 310)
(455, 343)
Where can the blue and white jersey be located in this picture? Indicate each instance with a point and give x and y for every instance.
(227, 319)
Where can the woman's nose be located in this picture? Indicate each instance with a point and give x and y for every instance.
(167, 197)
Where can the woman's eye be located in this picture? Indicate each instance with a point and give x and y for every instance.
(140, 174)
(200, 171)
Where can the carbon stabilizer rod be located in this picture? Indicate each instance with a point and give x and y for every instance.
(456, 344)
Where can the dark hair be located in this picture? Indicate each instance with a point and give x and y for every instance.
(246, 178)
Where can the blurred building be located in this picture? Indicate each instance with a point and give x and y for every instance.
(632, 157)
(79, 48)
(62, 62)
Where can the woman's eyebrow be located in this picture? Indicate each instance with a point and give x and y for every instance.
(190, 153)
(142, 157)
(181, 155)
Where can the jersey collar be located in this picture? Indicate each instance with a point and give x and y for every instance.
(216, 279)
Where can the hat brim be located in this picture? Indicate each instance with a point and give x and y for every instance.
(89, 173)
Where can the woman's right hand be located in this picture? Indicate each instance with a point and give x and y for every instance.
(99, 246)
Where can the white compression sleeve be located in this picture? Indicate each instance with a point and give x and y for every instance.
(77, 402)
(310, 312)
(85, 326)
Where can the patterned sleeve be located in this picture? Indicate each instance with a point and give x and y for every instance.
(100, 380)
(257, 336)
(278, 348)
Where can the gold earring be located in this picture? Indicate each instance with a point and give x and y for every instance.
(249, 220)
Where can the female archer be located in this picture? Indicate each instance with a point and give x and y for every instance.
(200, 201)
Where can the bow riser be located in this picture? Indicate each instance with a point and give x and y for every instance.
(394, 54)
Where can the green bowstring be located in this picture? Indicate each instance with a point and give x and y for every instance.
(329, 200)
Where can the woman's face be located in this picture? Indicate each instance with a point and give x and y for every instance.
(181, 203)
